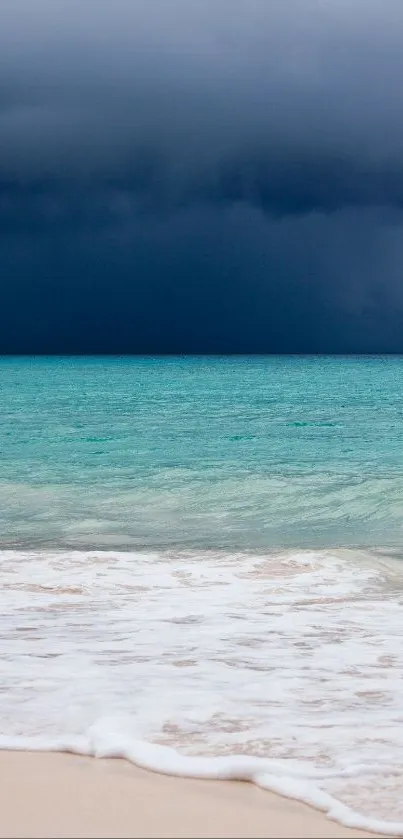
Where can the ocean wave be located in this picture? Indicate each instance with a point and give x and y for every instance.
(206, 509)
(285, 667)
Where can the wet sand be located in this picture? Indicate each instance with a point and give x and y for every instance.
(63, 795)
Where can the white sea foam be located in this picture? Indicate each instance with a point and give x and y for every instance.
(285, 670)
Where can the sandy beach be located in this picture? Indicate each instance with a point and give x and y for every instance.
(62, 795)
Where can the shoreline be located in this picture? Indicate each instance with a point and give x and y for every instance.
(52, 794)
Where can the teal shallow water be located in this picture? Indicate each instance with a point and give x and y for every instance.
(221, 453)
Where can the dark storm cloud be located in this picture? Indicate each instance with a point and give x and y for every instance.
(188, 175)
(258, 100)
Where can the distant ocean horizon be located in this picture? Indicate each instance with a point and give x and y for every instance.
(205, 553)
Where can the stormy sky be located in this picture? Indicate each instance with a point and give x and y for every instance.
(201, 176)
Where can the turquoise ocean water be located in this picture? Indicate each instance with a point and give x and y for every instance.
(231, 453)
(200, 570)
